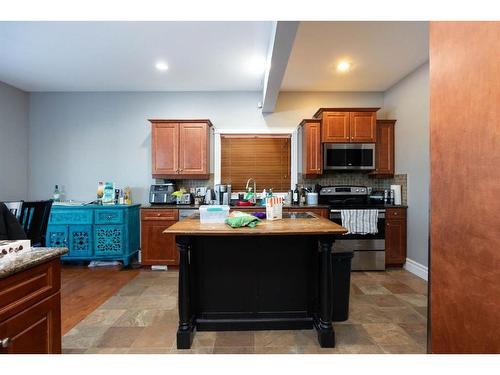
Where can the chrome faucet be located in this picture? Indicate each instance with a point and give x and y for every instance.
(254, 198)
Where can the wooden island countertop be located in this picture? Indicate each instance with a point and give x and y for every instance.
(311, 224)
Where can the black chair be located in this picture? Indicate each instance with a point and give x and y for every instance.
(14, 207)
(34, 219)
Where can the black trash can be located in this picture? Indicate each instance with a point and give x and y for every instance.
(341, 264)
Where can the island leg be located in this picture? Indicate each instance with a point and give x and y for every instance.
(185, 331)
(323, 320)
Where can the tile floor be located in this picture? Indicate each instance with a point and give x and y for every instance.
(387, 315)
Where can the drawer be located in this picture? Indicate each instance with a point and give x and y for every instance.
(109, 216)
(323, 212)
(160, 214)
(395, 213)
(19, 291)
(74, 216)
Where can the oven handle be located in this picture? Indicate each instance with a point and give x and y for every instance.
(381, 213)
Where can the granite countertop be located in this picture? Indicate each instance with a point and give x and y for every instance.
(193, 207)
(23, 260)
(300, 207)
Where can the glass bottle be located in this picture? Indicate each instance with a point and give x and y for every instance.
(57, 194)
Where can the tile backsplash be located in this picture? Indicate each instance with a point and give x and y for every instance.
(327, 179)
(187, 184)
(360, 179)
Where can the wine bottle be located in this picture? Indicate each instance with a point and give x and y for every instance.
(295, 197)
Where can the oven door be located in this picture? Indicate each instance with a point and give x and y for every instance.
(368, 249)
(349, 156)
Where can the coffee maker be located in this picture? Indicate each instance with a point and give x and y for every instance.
(222, 194)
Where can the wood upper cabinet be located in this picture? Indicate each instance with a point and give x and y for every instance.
(348, 125)
(165, 147)
(384, 158)
(336, 127)
(312, 161)
(395, 236)
(363, 126)
(157, 247)
(194, 147)
(180, 148)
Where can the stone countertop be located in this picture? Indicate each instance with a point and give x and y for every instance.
(300, 207)
(310, 225)
(193, 207)
(26, 259)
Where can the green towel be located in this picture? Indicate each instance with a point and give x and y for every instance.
(242, 221)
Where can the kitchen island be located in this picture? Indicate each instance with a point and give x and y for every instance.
(30, 303)
(277, 275)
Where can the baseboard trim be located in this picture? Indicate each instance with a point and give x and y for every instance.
(417, 269)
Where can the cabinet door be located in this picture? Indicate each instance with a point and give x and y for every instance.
(80, 240)
(385, 148)
(363, 127)
(109, 239)
(335, 127)
(395, 241)
(193, 149)
(57, 236)
(311, 149)
(157, 247)
(165, 148)
(36, 330)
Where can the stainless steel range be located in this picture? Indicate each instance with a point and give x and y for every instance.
(369, 249)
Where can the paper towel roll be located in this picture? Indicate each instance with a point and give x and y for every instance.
(397, 194)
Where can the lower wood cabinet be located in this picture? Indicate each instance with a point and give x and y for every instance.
(157, 247)
(30, 311)
(395, 236)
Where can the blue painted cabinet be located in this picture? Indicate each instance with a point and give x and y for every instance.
(95, 232)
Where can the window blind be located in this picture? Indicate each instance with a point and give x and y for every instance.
(264, 157)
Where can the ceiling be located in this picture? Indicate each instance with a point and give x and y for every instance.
(381, 53)
(206, 56)
(120, 56)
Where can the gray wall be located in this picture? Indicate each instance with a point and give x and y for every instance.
(408, 103)
(14, 107)
(78, 139)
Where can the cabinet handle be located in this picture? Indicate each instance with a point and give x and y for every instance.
(158, 215)
(4, 343)
(181, 169)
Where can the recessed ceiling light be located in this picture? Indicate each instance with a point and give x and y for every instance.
(161, 66)
(256, 65)
(343, 66)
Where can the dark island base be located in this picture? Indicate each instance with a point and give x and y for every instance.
(237, 283)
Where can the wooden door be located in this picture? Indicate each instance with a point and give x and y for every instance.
(362, 127)
(384, 149)
(395, 237)
(36, 330)
(465, 186)
(157, 247)
(335, 127)
(193, 149)
(311, 149)
(165, 149)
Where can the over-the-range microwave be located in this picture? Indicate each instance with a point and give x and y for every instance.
(349, 156)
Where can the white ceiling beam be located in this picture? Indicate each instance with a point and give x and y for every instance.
(278, 54)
